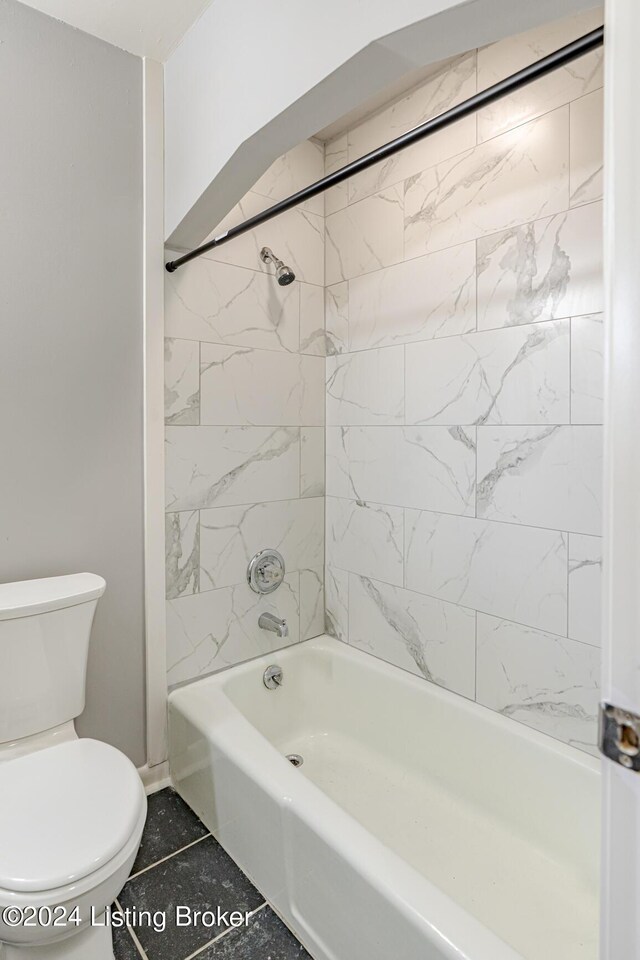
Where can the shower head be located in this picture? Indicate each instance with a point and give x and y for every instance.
(284, 274)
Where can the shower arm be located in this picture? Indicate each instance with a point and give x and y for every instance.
(534, 71)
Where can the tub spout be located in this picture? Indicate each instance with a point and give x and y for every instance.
(268, 622)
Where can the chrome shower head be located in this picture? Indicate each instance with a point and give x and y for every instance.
(284, 274)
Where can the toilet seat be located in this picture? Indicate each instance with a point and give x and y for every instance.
(65, 812)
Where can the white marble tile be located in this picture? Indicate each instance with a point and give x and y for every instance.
(432, 296)
(312, 466)
(181, 381)
(182, 553)
(336, 313)
(547, 682)
(336, 155)
(586, 147)
(311, 603)
(520, 176)
(243, 386)
(585, 588)
(312, 331)
(218, 628)
(542, 271)
(222, 303)
(231, 536)
(220, 466)
(296, 237)
(501, 59)
(430, 468)
(298, 168)
(515, 375)
(452, 82)
(365, 236)
(503, 569)
(587, 369)
(336, 587)
(547, 476)
(431, 639)
(365, 538)
(366, 387)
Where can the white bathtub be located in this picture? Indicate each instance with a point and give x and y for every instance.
(420, 827)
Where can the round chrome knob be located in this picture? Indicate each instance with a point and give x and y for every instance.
(266, 571)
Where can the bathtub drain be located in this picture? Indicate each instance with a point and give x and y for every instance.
(295, 759)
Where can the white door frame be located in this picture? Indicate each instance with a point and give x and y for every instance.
(620, 938)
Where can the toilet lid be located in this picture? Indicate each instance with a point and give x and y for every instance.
(64, 812)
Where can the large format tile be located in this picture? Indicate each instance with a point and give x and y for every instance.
(585, 588)
(548, 682)
(432, 639)
(202, 877)
(366, 387)
(181, 381)
(336, 586)
(182, 553)
(542, 271)
(516, 375)
(296, 237)
(312, 466)
(587, 369)
(336, 318)
(265, 938)
(243, 386)
(336, 155)
(365, 236)
(586, 148)
(432, 296)
(312, 323)
(519, 176)
(501, 59)
(219, 466)
(451, 82)
(223, 303)
(366, 538)
(123, 946)
(311, 602)
(171, 825)
(218, 628)
(295, 169)
(231, 536)
(543, 476)
(498, 568)
(430, 468)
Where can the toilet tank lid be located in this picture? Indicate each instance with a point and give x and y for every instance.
(26, 598)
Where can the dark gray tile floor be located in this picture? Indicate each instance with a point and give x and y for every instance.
(180, 864)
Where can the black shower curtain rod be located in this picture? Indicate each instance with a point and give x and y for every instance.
(533, 72)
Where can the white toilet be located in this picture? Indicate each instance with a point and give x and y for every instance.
(71, 810)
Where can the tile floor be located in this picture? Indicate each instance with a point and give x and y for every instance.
(179, 863)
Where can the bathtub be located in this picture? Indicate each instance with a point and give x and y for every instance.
(420, 825)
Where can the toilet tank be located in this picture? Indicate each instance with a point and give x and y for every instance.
(45, 627)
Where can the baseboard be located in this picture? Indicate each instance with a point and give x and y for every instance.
(155, 778)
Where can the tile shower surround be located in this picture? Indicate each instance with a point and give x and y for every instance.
(461, 321)
(464, 389)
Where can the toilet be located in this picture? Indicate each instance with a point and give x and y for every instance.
(72, 810)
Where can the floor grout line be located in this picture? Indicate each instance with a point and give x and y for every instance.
(132, 934)
(224, 933)
(168, 857)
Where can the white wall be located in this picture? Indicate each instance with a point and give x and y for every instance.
(464, 394)
(244, 384)
(242, 90)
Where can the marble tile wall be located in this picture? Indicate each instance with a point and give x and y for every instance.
(463, 332)
(245, 462)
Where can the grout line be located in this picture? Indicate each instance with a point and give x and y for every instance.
(133, 936)
(224, 933)
(157, 863)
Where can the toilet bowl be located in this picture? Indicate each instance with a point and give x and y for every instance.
(72, 810)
